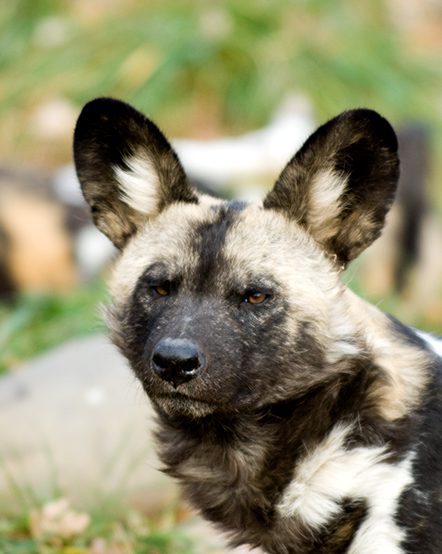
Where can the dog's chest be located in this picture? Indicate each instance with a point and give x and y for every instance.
(332, 499)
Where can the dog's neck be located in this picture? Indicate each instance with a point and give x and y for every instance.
(401, 355)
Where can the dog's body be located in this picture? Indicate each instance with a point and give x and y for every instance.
(297, 417)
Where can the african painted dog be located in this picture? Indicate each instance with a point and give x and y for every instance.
(297, 417)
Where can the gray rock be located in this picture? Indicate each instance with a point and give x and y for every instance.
(76, 420)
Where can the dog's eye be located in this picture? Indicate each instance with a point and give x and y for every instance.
(161, 290)
(255, 297)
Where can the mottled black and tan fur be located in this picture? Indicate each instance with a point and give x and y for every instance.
(297, 417)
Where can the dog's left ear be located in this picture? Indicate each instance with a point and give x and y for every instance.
(341, 183)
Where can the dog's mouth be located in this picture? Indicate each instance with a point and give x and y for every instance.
(183, 397)
(179, 403)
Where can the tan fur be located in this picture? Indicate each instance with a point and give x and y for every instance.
(239, 465)
(39, 257)
(280, 253)
(404, 366)
(162, 238)
(292, 257)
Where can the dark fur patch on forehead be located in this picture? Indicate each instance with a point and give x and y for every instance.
(210, 239)
(231, 207)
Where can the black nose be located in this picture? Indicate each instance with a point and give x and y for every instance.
(177, 360)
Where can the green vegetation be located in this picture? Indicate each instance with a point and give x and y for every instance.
(203, 66)
(165, 56)
(100, 532)
(37, 322)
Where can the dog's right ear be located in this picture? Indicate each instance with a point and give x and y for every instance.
(127, 169)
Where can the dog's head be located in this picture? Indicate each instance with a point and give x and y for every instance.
(226, 306)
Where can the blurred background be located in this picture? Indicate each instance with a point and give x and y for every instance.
(237, 86)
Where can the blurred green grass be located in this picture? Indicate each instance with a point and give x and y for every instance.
(203, 67)
(37, 322)
(163, 55)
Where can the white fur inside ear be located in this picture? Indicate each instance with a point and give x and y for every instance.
(139, 185)
(326, 190)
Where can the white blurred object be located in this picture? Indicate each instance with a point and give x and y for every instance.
(53, 119)
(435, 343)
(92, 251)
(252, 155)
(67, 187)
(52, 32)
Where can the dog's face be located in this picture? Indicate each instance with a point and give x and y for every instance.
(211, 310)
(223, 306)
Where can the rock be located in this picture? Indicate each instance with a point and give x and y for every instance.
(76, 420)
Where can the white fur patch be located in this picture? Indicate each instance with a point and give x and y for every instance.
(139, 186)
(325, 193)
(433, 342)
(331, 473)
